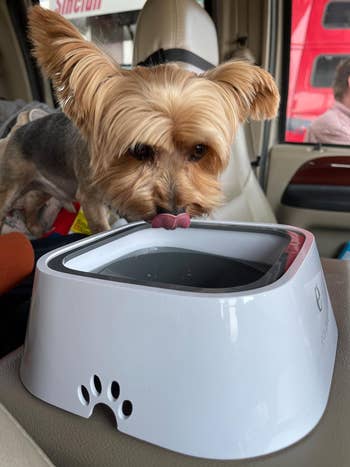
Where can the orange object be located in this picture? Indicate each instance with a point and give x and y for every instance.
(16, 259)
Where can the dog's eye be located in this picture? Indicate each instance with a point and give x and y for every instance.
(142, 152)
(198, 151)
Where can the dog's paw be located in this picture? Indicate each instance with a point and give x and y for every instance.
(36, 229)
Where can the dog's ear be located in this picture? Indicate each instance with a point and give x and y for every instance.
(22, 119)
(247, 87)
(78, 69)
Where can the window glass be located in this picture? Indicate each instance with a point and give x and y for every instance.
(113, 32)
(109, 23)
(324, 70)
(337, 15)
(319, 73)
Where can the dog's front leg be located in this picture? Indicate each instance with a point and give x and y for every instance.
(97, 217)
(95, 211)
(8, 197)
(33, 203)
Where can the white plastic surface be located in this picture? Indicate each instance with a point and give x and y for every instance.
(224, 376)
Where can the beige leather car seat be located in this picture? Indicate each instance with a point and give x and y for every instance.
(17, 449)
(182, 31)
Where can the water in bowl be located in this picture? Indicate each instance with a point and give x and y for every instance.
(181, 267)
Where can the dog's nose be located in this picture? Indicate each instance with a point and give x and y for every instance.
(175, 211)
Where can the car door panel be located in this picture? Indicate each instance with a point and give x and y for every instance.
(311, 189)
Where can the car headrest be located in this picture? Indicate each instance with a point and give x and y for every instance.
(175, 31)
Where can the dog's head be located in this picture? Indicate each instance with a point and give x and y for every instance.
(159, 137)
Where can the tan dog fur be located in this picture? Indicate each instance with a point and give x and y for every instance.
(186, 123)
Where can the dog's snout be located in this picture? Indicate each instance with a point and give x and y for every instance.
(175, 211)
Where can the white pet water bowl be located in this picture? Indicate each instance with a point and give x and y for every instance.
(216, 341)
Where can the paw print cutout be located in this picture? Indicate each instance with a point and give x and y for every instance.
(113, 392)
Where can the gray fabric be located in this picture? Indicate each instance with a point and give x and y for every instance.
(9, 108)
(9, 111)
(72, 441)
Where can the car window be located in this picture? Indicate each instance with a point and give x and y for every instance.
(324, 68)
(337, 15)
(108, 23)
(318, 102)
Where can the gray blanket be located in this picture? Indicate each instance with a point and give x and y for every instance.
(9, 111)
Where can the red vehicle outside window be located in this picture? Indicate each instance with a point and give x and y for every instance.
(320, 39)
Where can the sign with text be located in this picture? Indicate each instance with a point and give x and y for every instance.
(81, 8)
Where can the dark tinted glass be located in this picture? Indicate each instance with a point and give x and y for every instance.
(337, 15)
(324, 70)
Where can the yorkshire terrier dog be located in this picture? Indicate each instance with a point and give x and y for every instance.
(147, 142)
